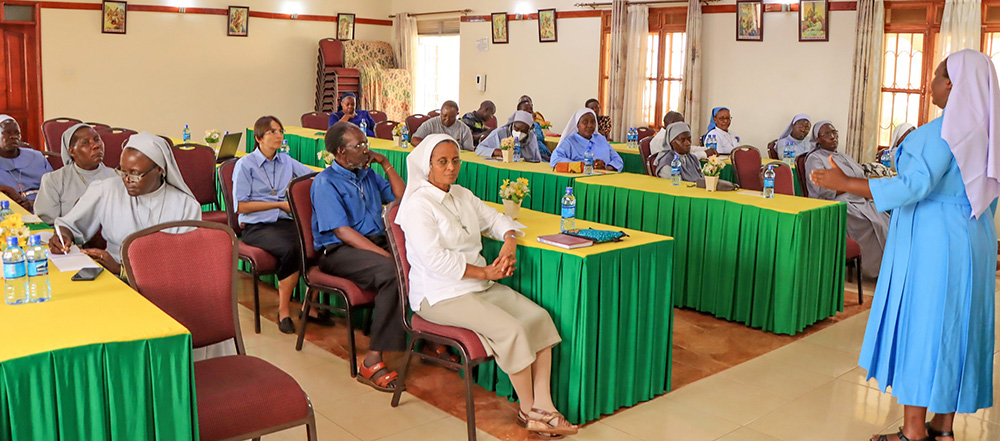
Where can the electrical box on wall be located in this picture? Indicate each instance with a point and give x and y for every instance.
(481, 82)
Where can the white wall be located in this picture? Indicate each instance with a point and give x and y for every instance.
(175, 69)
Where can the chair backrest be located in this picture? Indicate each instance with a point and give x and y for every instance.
(55, 160)
(98, 126)
(397, 245)
(191, 276)
(383, 130)
(225, 176)
(332, 51)
(169, 141)
(783, 177)
(53, 130)
(772, 150)
(492, 122)
(800, 168)
(413, 122)
(746, 161)
(114, 141)
(315, 120)
(645, 154)
(433, 113)
(646, 131)
(196, 163)
(300, 201)
(378, 116)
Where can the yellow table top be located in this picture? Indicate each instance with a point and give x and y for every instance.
(783, 203)
(544, 224)
(81, 313)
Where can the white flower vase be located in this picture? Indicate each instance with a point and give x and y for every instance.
(397, 140)
(711, 183)
(511, 208)
(508, 155)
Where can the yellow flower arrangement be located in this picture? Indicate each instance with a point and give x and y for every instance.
(326, 157)
(212, 136)
(713, 167)
(398, 130)
(515, 191)
(507, 143)
(13, 226)
(545, 125)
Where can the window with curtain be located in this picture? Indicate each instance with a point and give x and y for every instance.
(437, 63)
(664, 63)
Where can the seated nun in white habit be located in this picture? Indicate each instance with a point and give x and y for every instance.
(679, 134)
(726, 141)
(898, 136)
(452, 284)
(796, 134)
(82, 156)
(865, 224)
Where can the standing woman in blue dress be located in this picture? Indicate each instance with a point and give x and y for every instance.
(931, 327)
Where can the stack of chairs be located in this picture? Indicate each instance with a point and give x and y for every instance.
(332, 78)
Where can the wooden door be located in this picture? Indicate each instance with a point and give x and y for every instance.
(21, 96)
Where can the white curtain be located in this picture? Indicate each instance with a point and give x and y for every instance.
(616, 64)
(866, 90)
(404, 44)
(961, 28)
(691, 102)
(636, 42)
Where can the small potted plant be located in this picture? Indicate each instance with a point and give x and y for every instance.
(711, 170)
(212, 137)
(513, 193)
(397, 135)
(507, 148)
(326, 157)
(13, 226)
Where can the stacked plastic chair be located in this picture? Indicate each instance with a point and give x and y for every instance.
(332, 78)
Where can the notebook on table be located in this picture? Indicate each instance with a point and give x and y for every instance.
(565, 241)
(227, 150)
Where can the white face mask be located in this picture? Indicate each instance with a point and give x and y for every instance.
(519, 135)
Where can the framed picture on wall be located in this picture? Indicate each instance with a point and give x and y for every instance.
(547, 26)
(814, 20)
(113, 17)
(239, 21)
(500, 35)
(749, 20)
(345, 26)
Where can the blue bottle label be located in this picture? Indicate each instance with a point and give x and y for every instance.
(768, 183)
(13, 270)
(38, 268)
(568, 211)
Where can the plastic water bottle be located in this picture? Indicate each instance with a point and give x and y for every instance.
(885, 158)
(769, 182)
(284, 146)
(37, 265)
(5, 210)
(710, 142)
(635, 138)
(568, 211)
(364, 126)
(588, 161)
(14, 279)
(517, 150)
(187, 134)
(675, 170)
(405, 136)
(789, 154)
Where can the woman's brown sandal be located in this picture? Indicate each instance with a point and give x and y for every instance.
(366, 375)
(552, 425)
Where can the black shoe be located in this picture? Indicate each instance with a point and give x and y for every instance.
(322, 318)
(286, 326)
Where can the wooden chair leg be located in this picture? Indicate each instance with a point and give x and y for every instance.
(470, 402)
(401, 379)
(306, 306)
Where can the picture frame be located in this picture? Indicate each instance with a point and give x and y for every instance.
(500, 30)
(814, 20)
(345, 26)
(238, 22)
(113, 17)
(547, 30)
(749, 20)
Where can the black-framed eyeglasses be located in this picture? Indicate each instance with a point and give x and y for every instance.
(133, 177)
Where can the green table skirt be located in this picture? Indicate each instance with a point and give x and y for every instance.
(633, 162)
(771, 270)
(137, 390)
(613, 311)
(547, 189)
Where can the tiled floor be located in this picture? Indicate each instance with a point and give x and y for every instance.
(807, 389)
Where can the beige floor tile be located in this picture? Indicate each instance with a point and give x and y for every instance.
(846, 336)
(369, 416)
(970, 428)
(665, 420)
(744, 434)
(776, 377)
(450, 428)
(797, 422)
(859, 375)
(728, 399)
(326, 430)
(283, 355)
(600, 432)
(815, 358)
(854, 401)
(329, 382)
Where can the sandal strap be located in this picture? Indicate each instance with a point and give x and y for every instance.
(932, 433)
(384, 380)
(368, 372)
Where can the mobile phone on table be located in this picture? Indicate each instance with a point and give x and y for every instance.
(87, 274)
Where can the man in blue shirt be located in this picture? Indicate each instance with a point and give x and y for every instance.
(347, 228)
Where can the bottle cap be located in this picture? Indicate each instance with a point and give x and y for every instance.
(35, 239)
(4, 205)
(569, 190)
(12, 241)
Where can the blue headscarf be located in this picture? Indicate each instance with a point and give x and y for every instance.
(711, 122)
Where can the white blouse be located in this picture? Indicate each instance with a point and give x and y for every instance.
(443, 234)
(727, 141)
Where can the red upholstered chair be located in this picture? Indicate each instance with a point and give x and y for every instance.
(413, 122)
(239, 396)
(383, 130)
(170, 142)
(464, 340)
(784, 179)
(55, 159)
(492, 122)
(746, 161)
(261, 262)
(854, 260)
(433, 113)
(646, 131)
(772, 150)
(98, 126)
(53, 130)
(114, 140)
(644, 153)
(197, 166)
(315, 120)
(378, 116)
(317, 281)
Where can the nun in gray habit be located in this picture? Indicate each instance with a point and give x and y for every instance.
(60, 189)
(678, 142)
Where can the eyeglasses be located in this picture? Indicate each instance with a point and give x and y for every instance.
(275, 132)
(133, 177)
(363, 146)
(832, 134)
(443, 162)
(725, 118)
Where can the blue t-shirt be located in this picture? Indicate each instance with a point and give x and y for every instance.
(359, 115)
(343, 198)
